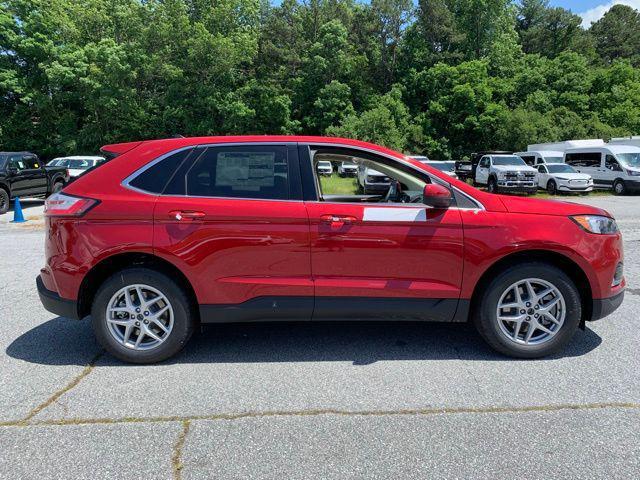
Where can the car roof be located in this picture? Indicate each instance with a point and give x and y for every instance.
(606, 148)
(555, 153)
(80, 157)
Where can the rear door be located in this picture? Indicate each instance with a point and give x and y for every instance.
(381, 261)
(233, 219)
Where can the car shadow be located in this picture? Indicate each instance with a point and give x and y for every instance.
(62, 341)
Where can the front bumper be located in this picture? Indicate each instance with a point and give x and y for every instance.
(54, 303)
(568, 188)
(603, 307)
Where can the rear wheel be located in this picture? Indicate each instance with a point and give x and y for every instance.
(4, 201)
(619, 187)
(142, 316)
(57, 186)
(529, 311)
(552, 188)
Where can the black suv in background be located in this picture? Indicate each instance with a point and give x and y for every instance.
(22, 174)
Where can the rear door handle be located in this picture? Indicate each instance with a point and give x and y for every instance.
(337, 220)
(186, 215)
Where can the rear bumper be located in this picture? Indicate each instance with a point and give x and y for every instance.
(603, 307)
(54, 303)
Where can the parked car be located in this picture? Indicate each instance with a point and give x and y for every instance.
(173, 233)
(464, 170)
(325, 168)
(23, 175)
(76, 165)
(445, 166)
(372, 181)
(420, 158)
(615, 167)
(347, 169)
(541, 157)
(506, 173)
(559, 177)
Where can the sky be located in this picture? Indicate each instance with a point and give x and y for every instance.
(592, 10)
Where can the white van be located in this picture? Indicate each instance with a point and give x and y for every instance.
(541, 157)
(614, 167)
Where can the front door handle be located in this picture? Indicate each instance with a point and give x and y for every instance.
(337, 220)
(186, 215)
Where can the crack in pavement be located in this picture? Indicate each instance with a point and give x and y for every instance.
(58, 393)
(319, 412)
(176, 457)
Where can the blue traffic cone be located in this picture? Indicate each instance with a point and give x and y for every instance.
(18, 217)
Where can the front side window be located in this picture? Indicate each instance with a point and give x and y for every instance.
(240, 172)
(612, 164)
(31, 162)
(484, 163)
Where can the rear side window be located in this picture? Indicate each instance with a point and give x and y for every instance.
(260, 172)
(584, 159)
(156, 177)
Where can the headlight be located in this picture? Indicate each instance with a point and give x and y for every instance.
(501, 176)
(596, 224)
(633, 173)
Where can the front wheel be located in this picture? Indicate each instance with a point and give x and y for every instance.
(142, 316)
(492, 186)
(552, 187)
(529, 311)
(619, 188)
(4, 201)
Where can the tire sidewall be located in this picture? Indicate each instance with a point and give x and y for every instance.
(183, 323)
(488, 325)
(551, 187)
(615, 190)
(492, 185)
(5, 201)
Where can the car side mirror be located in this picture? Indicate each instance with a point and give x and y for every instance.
(12, 170)
(436, 196)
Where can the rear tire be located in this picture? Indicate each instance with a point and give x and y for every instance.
(501, 335)
(619, 188)
(4, 201)
(178, 320)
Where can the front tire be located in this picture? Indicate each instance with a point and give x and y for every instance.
(529, 311)
(492, 186)
(4, 201)
(619, 187)
(142, 316)
(552, 188)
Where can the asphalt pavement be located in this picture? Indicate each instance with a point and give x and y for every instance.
(304, 401)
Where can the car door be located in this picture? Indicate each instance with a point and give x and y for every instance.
(612, 170)
(233, 219)
(382, 260)
(34, 176)
(482, 172)
(543, 176)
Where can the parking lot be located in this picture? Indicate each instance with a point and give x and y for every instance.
(314, 400)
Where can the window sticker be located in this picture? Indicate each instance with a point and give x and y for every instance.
(245, 171)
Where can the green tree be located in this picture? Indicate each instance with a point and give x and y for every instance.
(617, 34)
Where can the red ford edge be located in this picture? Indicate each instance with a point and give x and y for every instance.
(172, 233)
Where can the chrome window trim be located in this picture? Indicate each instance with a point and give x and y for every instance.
(126, 183)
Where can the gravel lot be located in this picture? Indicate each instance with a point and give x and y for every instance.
(314, 401)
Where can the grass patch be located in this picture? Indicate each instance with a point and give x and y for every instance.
(336, 185)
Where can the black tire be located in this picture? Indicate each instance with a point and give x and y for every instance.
(57, 186)
(485, 316)
(492, 185)
(619, 187)
(552, 188)
(4, 201)
(184, 315)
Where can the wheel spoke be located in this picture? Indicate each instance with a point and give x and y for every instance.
(516, 330)
(119, 321)
(551, 304)
(127, 333)
(149, 333)
(531, 293)
(160, 325)
(529, 334)
(140, 337)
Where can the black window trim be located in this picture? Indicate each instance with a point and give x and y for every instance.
(201, 149)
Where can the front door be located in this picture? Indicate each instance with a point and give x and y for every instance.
(34, 175)
(482, 173)
(383, 259)
(233, 216)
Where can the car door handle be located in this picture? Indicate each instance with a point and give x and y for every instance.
(337, 220)
(186, 214)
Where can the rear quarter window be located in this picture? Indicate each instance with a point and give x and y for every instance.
(154, 179)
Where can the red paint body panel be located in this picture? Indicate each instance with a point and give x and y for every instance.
(243, 249)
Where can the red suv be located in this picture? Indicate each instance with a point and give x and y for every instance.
(172, 233)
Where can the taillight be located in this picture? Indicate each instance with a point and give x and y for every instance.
(64, 205)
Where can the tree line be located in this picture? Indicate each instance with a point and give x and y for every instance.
(440, 77)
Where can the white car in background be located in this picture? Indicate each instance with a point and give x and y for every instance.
(324, 167)
(533, 158)
(347, 169)
(77, 164)
(560, 177)
(445, 166)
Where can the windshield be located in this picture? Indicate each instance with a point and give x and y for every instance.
(560, 168)
(554, 159)
(630, 159)
(512, 160)
(444, 167)
(54, 163)
(80, 164)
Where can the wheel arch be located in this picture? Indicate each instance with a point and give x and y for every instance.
(108, 266)
(566, 264)
(6, 188)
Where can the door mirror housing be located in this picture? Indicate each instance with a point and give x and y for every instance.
(436, 196)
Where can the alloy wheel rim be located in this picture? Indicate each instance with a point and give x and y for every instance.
(531, 311)
(139, 317)
(619, 187)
